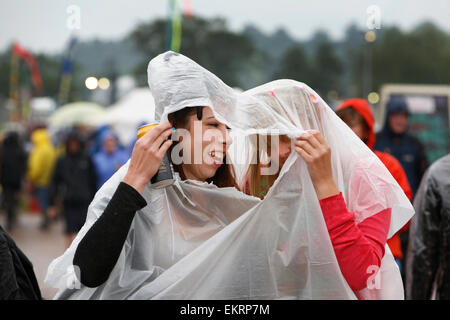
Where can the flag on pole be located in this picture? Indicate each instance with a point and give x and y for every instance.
(176, 27)
(14, 79)
(66, 73)
(188, 12)
(174, 23)
(32, 64)
(20, 105)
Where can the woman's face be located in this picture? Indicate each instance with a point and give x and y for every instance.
(209, 142)
(284, 150)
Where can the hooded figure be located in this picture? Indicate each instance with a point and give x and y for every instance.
(362, 108)
(12, 171)
(74, 179)
(194, 240)
(40, 169)
(42, 159)
(110, 157)
(395, 140)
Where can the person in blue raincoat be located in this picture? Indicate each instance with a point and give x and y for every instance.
(109, 159)
(95, 139)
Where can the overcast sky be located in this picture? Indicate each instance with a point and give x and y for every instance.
(41, 25)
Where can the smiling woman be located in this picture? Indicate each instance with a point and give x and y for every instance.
(214, 141)
(199, 134)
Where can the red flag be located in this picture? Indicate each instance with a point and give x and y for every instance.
(188, 12)
(32, 64)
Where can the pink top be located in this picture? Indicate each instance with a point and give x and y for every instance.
(357, 247)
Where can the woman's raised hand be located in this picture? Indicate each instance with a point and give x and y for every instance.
(316, 152)
(147, 155)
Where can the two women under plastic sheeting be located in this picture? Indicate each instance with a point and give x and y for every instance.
(203, 238)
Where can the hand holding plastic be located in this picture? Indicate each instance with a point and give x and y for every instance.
(316, 152)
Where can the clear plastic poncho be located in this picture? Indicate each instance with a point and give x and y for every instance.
(194, 240)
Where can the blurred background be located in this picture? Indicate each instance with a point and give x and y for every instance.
(82, 65)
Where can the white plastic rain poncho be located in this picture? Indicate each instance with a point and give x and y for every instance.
(194, 240)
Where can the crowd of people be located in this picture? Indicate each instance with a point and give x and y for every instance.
(57, 179)
(131, 261)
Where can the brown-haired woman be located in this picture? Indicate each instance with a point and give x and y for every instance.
(108, 234)
(217, 169)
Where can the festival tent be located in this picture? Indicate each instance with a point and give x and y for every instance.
(42, 108)
(125, 116)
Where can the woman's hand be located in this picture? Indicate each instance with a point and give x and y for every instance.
(147, 156)
(316, 152)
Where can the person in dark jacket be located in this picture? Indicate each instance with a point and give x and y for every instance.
(17, 278)
(74, 180)
(395, 140)
(428, 270)
(12, 171)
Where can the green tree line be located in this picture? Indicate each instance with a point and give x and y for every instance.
(421, 55)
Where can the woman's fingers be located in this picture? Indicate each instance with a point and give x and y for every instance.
(305, 146)
(147, 155)
(157, 143)
(154, 133)
(165, 146)
(313, 142)
(302, 153)
(318, 135)
(312, 137)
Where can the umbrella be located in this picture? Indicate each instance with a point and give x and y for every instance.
(75, 113)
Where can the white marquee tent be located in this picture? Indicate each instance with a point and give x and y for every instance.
(128, 113)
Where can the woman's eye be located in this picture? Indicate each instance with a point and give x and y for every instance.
(213, 124)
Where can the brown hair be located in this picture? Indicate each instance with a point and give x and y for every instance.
(351, 117)
(225, 175)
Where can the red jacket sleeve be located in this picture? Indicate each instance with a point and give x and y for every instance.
(357, 247)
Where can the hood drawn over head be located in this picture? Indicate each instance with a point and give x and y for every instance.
(40, 137)
(363, 108)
